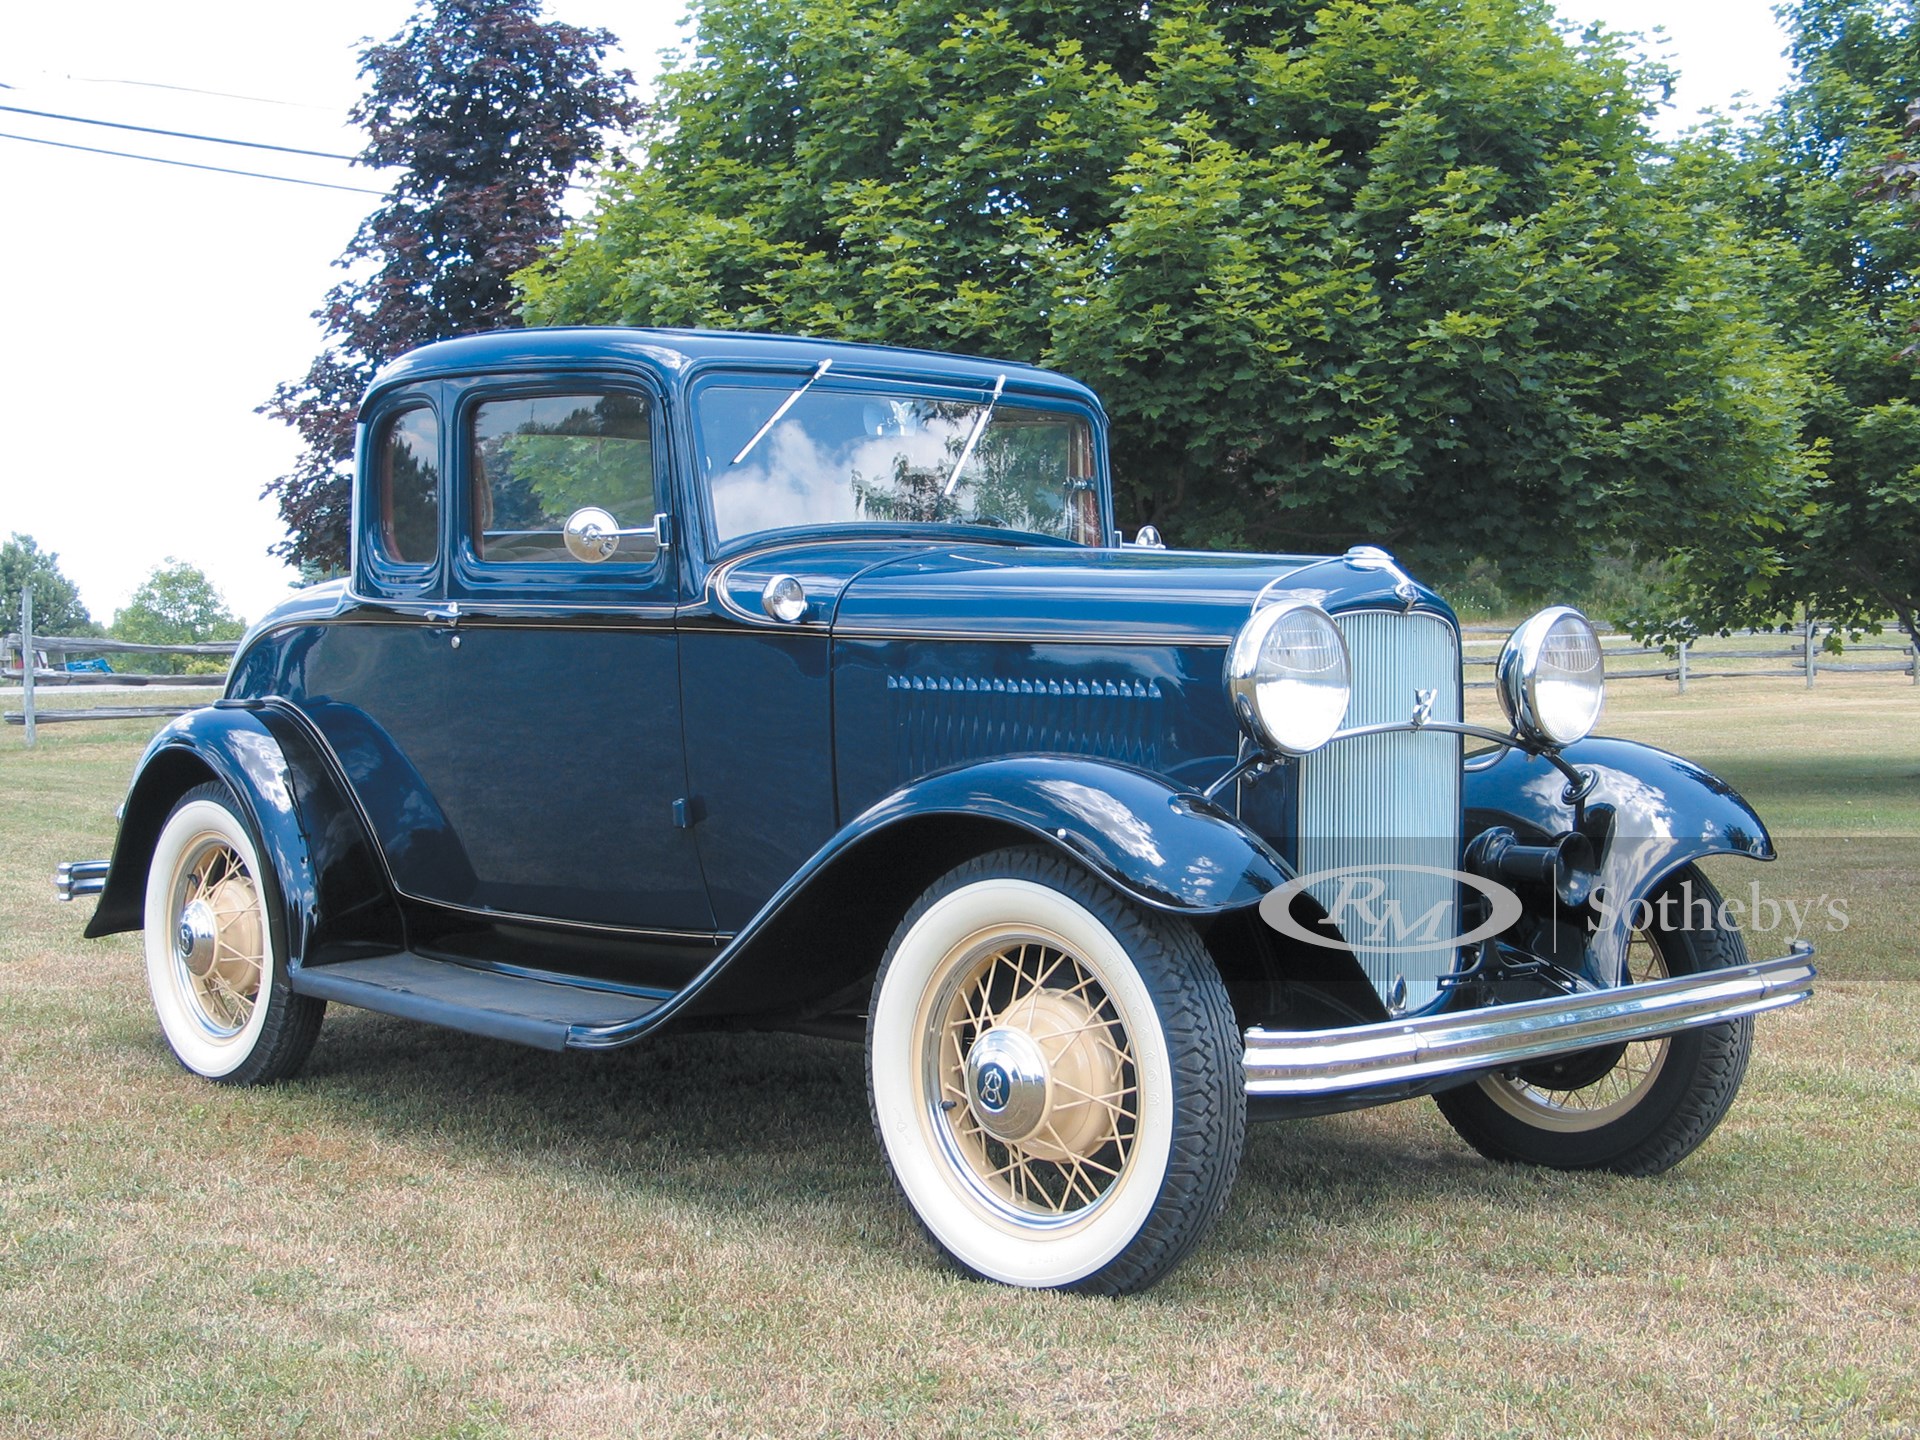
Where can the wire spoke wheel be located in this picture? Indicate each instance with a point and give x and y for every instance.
(1637, 1107)
(216, 964)
(1034, 1087)
(1574, 1093)
(1055, 1077)
(220, 936)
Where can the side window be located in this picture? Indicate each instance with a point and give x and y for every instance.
(536, 459)
(409, 487)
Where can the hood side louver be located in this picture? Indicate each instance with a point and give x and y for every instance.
(944, 720)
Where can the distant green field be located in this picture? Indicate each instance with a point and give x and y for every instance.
(428, 1235)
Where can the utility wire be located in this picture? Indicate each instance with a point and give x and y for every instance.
(189, 165)
(177, 134)
(192, 90)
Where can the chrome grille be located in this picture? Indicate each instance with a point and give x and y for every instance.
(1390, 800)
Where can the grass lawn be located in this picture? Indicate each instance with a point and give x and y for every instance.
(431, 1235)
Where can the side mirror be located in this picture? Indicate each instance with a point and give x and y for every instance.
(593, 535)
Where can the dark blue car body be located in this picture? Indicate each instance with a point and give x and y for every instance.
(569, 803)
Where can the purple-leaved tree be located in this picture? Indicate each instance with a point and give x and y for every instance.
(487, 113)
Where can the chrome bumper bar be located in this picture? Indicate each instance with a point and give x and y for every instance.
(75, 878)
(1328, 1062)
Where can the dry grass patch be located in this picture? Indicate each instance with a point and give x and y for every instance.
(433, 1235)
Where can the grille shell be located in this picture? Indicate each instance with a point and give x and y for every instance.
(1390, 800)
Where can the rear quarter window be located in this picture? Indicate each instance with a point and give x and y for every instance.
(407, 487)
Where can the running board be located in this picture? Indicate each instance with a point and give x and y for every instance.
(1326, 1062)
(529, 1011)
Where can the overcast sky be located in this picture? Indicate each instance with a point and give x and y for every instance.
(150, 308)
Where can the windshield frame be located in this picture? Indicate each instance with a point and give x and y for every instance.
(786, 379)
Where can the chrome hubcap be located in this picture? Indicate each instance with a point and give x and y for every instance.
(1007, 1083)
(197, 937)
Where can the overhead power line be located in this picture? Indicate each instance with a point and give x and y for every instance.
(189, 165)
(194, 90)
(176, 134)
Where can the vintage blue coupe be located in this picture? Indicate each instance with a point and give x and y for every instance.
(732, 680)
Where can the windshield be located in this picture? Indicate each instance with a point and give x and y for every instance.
(839, 457)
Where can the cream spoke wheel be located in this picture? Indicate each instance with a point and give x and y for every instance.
(1055, 1077)
(217, 977)
(1034, 1072)
(220, 935)
(1636, 1107)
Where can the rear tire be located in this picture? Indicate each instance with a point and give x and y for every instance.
(1055, 1077)
(1638, 1108)
(216, 948)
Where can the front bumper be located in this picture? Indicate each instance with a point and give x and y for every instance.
(1307, 1064)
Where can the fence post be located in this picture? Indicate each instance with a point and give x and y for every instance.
(1682, 675)
(26, 661)
(1809, 647)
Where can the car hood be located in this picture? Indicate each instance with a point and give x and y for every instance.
(1123, 595)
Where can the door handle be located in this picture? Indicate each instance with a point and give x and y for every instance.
(448, 615)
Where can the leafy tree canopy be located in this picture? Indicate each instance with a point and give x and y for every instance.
(1390, 271)
(487, 113)
(56, 600)
(1811, 190)
(177, 605)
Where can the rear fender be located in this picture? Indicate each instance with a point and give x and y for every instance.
(1649, 813)
(334, 893)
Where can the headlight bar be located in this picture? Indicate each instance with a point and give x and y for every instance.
(1579, 782)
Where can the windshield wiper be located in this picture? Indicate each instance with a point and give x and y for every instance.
(785, 405)
(973, 437)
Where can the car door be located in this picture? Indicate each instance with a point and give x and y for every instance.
(522, 753)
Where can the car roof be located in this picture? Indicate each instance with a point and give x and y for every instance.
(673, 352)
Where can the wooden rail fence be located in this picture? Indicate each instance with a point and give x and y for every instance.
(1707, 660)
(1480, 643)
(26, 646)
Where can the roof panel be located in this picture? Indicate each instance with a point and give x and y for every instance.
(667, 352)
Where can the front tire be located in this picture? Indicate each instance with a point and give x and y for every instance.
(216, 949)
(1055, 1077)
(1638, 1108)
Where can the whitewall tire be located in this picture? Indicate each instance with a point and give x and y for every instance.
(216, 948)
(1055, 1077)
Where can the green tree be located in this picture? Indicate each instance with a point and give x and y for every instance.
(1811, 189)
(56, 600)
(487, 112)
(177, 605)
(1344, 271)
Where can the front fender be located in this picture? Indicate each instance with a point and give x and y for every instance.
(1652, 813)
(333, 891)
(818, 939)
(1159, 842)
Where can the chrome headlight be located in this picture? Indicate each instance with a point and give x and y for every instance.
(1289, 677)
(1551, 677)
